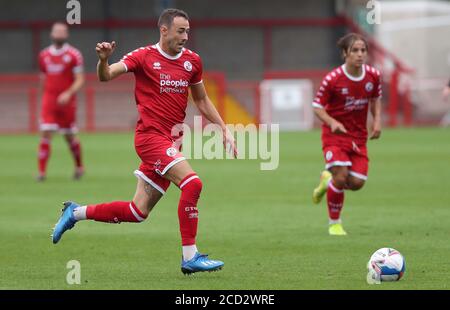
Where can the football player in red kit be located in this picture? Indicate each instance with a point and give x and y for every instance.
(62, 67)
(342, 103)
(164, 73)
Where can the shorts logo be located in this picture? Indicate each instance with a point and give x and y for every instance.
(157, 165)
(188, 66)
(156, 66)
(171, 151)
(329, 155)
(369, 86)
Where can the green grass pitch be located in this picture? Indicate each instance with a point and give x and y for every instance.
(262, 224)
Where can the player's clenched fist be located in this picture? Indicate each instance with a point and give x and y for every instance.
(105, 49)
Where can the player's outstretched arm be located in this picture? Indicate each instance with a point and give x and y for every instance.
(209, 111)
(336, 127)
(106, 72)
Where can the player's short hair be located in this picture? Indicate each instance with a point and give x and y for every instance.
(60, 22)
(347, 41)
(167, 16)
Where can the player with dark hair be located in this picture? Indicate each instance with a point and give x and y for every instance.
(62, 67)
(342, 103)
(164, 73)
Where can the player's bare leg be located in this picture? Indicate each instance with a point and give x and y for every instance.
(75, 148)
(146, 197)
(178, 172)
(135, 211)
(44, 154)
(354, 183)
(335, 199)
(182, 175)
(340, 176)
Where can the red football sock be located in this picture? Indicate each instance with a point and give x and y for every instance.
(191, 187)
(43, 155)
(335, 201)
(115, 212)
(75, 148)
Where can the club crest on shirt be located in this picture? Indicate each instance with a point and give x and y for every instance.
(171, 151)
(329, 155)
(187, 66)
(369, 86)
(66, 58)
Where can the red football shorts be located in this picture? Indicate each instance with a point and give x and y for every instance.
(158, 154)
(55, 116)
(348, 154)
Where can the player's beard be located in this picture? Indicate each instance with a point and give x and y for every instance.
(59, 42)
(178, 46)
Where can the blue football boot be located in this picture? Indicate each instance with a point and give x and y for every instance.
(65, 222)
(199, 263)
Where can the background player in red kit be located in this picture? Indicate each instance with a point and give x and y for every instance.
(342, 104)
(164, 72)
(62, 67)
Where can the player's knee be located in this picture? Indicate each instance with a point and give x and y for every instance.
(69, 138)
(193, 184)
(197, 185)
(340, 180)
(356, 184)
(47, 135)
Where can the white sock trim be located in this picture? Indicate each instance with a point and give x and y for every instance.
(136, 215)
(331, 222)
(189, 251)
(334, 189)
(188, 180)
(79, 213)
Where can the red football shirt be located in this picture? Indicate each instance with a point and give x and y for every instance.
(346, 99)
(162, 85)
(59, 66)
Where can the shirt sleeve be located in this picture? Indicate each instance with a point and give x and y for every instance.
(78, 62)
(198, 73)
(132, 60)
(323, 94)
(377, 90)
